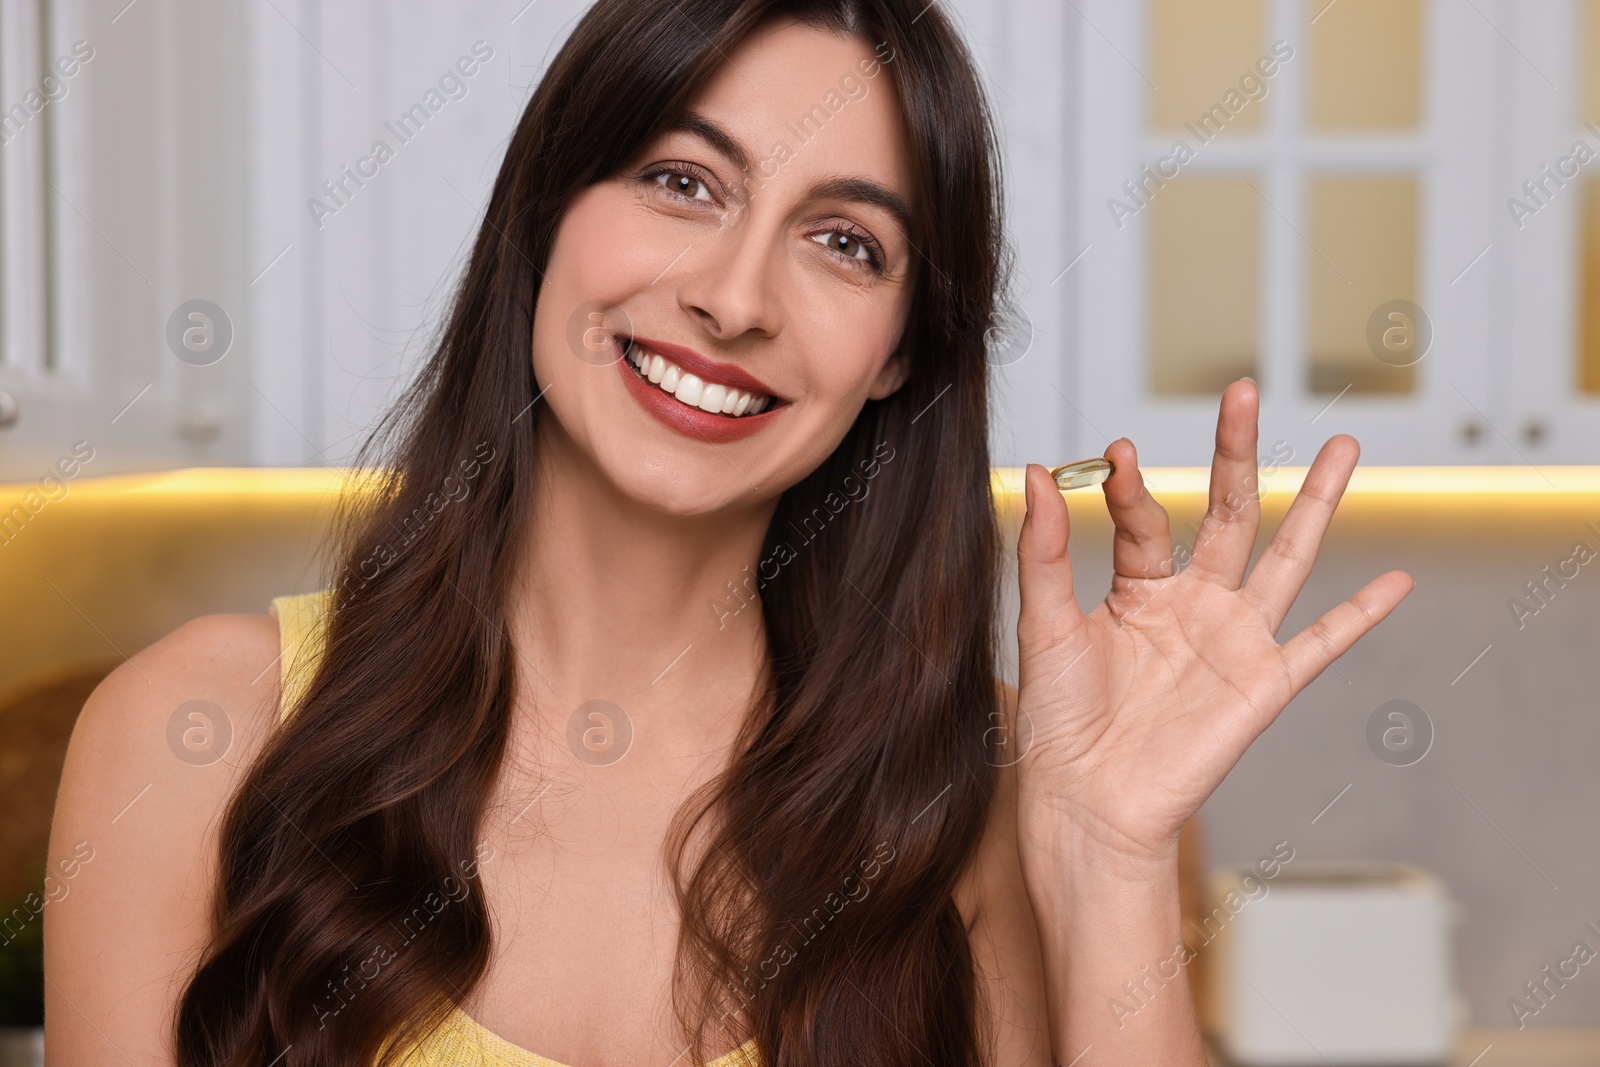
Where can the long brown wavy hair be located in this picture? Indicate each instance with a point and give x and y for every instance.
(820, 919)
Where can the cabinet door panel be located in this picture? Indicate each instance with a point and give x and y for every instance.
(1364, 209)
(1549, 221)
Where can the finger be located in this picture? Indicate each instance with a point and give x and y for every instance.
(1228, 532)
(1049, 610)
(1281, 571)
(1331, 636)
(1142, 544)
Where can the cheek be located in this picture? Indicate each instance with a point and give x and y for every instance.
(851, 346)
(850, 334)
(594, 251)
(611, 244)
(590, 267)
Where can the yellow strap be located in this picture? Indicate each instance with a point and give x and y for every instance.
(300, 639)
(464, 1042)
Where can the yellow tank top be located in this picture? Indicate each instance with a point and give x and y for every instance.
(462, 1041)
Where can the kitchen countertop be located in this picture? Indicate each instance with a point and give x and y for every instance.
(1507, 1047)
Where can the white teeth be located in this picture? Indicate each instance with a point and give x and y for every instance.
(691, 389)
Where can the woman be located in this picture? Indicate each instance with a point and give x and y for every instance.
(650, 714)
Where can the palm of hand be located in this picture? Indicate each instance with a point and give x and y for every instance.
(1141, 707)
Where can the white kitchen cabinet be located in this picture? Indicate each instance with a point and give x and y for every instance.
(1371, 165)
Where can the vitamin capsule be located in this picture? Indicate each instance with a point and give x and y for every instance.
(1082, 473)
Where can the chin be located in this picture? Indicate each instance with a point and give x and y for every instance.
(683, 489)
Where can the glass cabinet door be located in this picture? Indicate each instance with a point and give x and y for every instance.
(1295, 190)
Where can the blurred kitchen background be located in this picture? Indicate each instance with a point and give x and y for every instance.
(1386, 211)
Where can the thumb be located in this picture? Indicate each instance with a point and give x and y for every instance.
(1044, 571)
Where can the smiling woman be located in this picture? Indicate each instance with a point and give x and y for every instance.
(678, 365)
(761, 338)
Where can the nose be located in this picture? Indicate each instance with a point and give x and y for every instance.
(728, 279)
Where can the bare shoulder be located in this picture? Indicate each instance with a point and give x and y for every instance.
(159, 748)
(994, 902)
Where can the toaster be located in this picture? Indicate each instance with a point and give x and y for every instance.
(1329, 963)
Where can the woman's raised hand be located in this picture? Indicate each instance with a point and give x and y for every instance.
(1140, 708)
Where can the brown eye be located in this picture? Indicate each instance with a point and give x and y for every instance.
(847, 245)
(685, 185)
(852, 247)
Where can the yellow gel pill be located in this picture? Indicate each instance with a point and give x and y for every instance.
(1082, 473)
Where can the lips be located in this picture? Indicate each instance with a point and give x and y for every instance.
(698, 397)
(707, 370)
(711, 391)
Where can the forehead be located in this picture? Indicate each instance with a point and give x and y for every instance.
(807, 103)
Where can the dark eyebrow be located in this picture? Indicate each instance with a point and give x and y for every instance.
(713, 135)
(867, 192)
(860, 190)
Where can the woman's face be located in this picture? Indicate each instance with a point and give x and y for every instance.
(781, 289)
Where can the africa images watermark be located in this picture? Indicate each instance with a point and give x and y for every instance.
(1399, 732)
(52, 487)
(1253, 87)
(55, 890)
(1540, 991)
(1554, 578)
(411, 527)
(811, 925)
(1139, 989)
(1213, 521)
(747, 589)
(52, 87)
(412, 927)
(1542, 188)
(452, 85)
(808, 125)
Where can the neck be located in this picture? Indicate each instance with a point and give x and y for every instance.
(617, 601)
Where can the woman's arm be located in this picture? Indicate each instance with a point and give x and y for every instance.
(1116, 983)
(1138, 710)
(125, 929)
(1049, 898)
